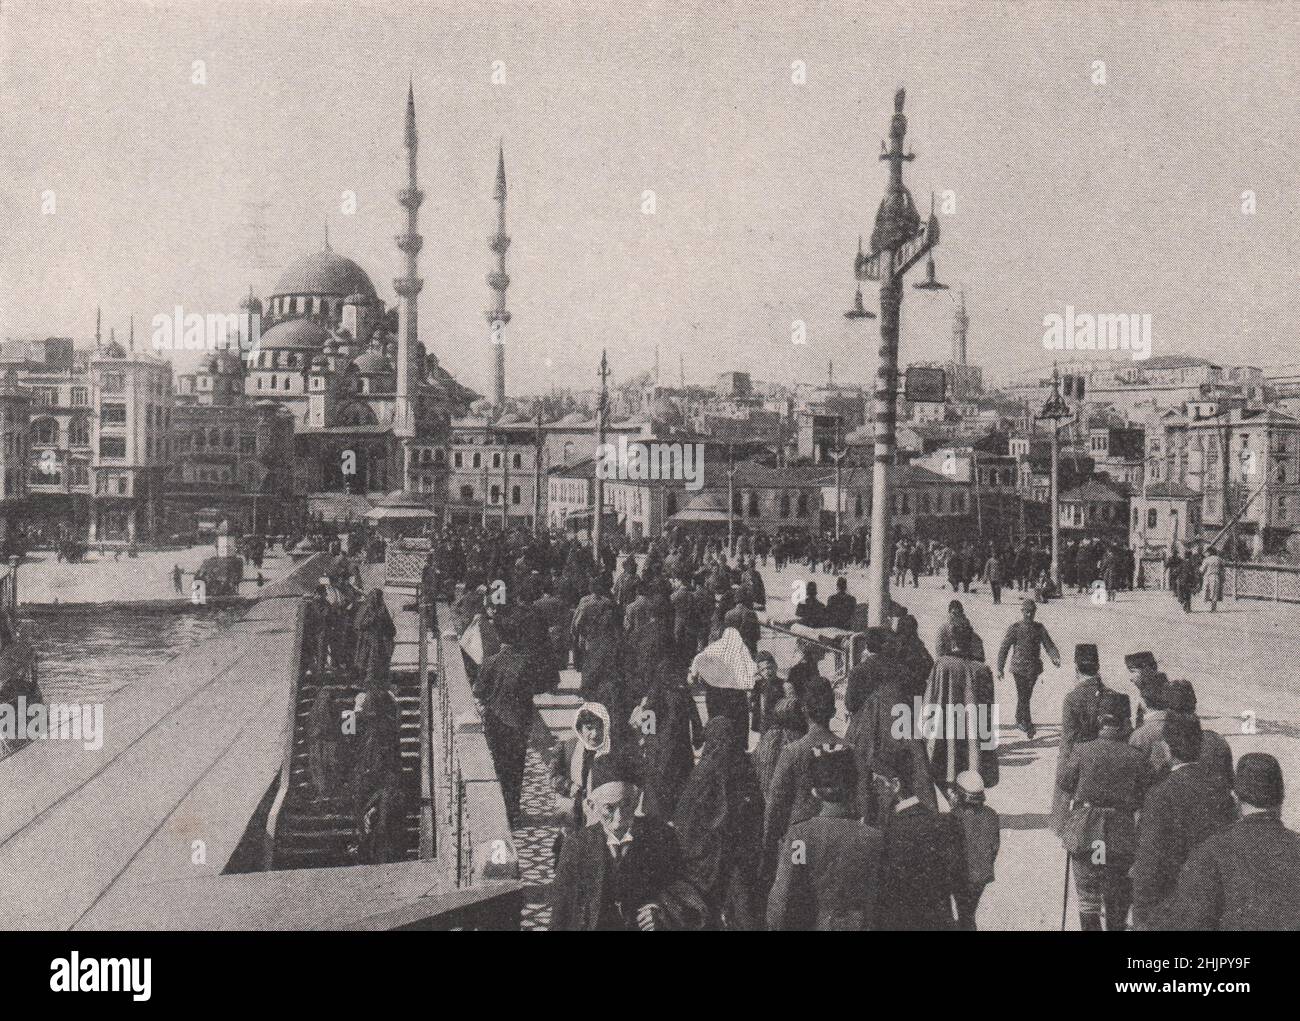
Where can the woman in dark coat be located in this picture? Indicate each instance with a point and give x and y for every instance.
(375, 634)
(914, 660)
(961, 679)
(665, 731)
(719, 825)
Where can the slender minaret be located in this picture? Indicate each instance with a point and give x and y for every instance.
(408, 286)
(99, 341)
(959, 324)
(498, 315)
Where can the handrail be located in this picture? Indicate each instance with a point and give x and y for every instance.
(287, 737)
(472, 813)
(428, 831)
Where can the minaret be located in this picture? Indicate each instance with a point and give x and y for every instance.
(99, 340)
(497, 315)
(408, 286)
(959, 324)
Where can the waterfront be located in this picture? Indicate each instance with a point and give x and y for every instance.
(86, 656)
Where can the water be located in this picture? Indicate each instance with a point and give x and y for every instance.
(85, 657)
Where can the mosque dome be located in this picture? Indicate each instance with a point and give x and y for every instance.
(326, 273)
(294, 334)
(665, 411)
(372, 363)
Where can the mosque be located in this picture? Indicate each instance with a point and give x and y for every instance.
(371, 406)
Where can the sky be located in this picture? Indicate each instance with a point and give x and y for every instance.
(1115, 196)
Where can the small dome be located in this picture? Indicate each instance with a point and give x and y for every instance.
(372, 363)
(249, 303)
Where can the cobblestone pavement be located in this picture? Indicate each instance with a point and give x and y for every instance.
(535, 839)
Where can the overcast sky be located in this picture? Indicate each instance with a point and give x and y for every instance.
(1122, 197)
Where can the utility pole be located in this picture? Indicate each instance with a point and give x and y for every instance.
(537, 474)
(1053, 412)
(731, 502)
(837, 455)
(975, 477)
(485, 489)
(898, 242)
(598, 512)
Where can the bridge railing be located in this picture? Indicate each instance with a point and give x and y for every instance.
(473, 831)
(1279, 583)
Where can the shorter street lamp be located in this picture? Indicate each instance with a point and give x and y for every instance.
(1054, 411)
(930, 283)
(859, 311)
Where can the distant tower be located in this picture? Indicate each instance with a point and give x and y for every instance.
(830, 374)
(656, 365)
(498, 315)
(99, 342)
(959, 324)
(408, 286)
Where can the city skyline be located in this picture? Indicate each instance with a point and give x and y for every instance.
(761, 185)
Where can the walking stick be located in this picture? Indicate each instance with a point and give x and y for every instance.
(1065, 893)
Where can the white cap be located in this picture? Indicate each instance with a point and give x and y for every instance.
(970, 782)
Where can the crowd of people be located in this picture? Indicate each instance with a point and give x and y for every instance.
(757, 814)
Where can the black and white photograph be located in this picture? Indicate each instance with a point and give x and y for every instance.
(669, 466)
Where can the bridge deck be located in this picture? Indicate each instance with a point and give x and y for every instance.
(188, 753)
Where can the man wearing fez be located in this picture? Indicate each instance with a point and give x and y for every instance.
(1080, 719)
(613, 875)
(827, 871)
(1105, 778)
(1024, 640)
(1244, 876)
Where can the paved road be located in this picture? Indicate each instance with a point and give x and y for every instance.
(1242, 660)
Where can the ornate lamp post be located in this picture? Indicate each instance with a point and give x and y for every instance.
(598, 518)
(899, 241)
(1054, 411)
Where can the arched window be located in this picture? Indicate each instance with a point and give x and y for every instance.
(79, 432)
(467, 493)
(803, 505)
(45, 432)
(785, 505)
(753, 504)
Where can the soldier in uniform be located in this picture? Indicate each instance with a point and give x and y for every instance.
(1106, 779)
(1024, 639)
(1079, 719)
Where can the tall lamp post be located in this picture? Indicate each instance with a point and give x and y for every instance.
(598, 516)
(537, 474)
(899, 241)
(1054, 411)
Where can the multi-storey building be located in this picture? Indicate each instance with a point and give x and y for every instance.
(131, 401)
(231, 457)
(57, 378)
(15, 414)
